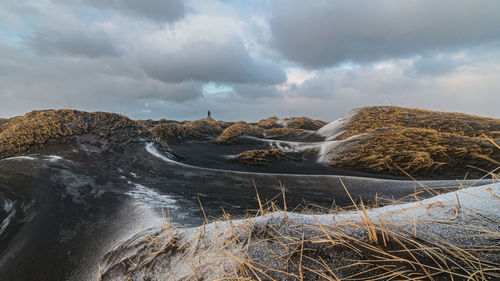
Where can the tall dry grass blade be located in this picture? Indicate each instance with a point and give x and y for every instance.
(300, 261)
(258, 199)
(284, 198)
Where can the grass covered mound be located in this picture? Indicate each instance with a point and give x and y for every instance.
(34, 129)
(2, 123)
(201, 129)
(275, 132)
(238, 129)
(395, 140)
(372, 118)
(270, 127)
(260, 157)
(303, 123)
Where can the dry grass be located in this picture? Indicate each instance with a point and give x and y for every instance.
(3, 121)
(362, 249)
(303, 123)
(447, 240)
(269, 123)
(239, 129)
(259, 157)
(37, 127)
(420, 142)
(420, 152)
(286, 247)
(202, 129)
(368, 119)
(275, 132)
(34, 129)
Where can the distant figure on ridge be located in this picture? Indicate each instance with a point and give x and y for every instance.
(209, 115)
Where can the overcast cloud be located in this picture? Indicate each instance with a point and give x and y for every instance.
(247, 60)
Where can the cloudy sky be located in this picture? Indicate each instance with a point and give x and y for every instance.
(248, 59)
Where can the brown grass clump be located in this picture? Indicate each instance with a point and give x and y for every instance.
(203, 126)
(259, 157)
(269, 123)
(303, 123)
(37, 127)
(274, 132)
(202, 129)
(395, 140)
(238, 129)
(2, 123)
(372, 118)
(420, 152)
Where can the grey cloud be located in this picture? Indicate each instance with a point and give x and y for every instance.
(29, 82)
(158, 10)
(72, 42)
(322, 86)
(202, 60)
(256, 91)
(435, 65)
(319, 34)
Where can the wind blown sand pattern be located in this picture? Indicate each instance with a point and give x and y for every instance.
(449, 236)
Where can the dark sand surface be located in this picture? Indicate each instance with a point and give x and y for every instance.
(70, 209)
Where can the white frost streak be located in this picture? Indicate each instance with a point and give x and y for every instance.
(479, 199)
(53, 158)
(150, 196)
(333, 129)
(9, 208)
(19, 158)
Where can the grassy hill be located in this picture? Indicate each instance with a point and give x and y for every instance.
(396, 140)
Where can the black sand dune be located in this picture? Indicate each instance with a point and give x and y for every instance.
(71, 202)
(72, 183)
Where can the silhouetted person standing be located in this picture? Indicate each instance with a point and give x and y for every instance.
(209, 115)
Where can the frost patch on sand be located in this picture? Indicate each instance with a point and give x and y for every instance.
(270, 238)
(322, 148)
(160, 205)
(333, 129)
(151, 197)
(164, 156)
(53, 158)
(19, 158)
(8, 207)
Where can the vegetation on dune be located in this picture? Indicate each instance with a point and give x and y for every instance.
(34, 129)
(259, 157)
(420, 152)
(283, 132)
(441, 238)
(268, 123)
(381, 139)
(37, 127)
(395, 140)
(3, 121)
(372, 118)
(238, 129)
(303, 123)
(199, 129)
